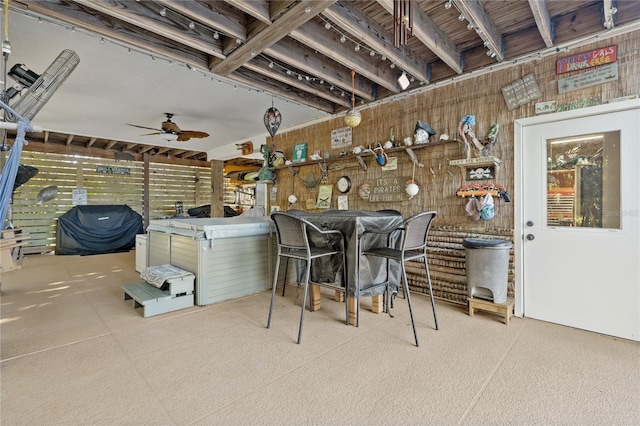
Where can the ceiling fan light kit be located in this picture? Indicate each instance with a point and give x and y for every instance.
(169, 137)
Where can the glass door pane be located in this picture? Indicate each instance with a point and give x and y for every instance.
(583, 181)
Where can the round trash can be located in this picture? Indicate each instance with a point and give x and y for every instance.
(487, 263)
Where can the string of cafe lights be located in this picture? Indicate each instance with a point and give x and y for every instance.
(470, 26)
(536, 56)
(164, 12)
(273, 64)
(361, 46)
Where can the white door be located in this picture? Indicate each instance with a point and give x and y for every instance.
(577, 218)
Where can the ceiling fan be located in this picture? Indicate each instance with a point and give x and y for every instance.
(171, 131)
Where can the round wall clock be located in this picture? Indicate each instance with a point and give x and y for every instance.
(344, 184)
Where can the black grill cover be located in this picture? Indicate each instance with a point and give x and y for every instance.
(98, 229)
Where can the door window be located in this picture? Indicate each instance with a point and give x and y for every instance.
(583, 181)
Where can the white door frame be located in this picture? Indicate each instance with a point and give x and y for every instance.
(518, 180)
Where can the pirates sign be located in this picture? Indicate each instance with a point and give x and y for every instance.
(382, 190)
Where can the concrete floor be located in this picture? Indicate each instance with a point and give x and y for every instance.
(74, 352)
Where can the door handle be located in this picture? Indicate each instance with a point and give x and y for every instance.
(530, 237)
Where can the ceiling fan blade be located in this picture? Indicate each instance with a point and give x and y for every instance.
(154, 133)
(144, 127)
(195, 134)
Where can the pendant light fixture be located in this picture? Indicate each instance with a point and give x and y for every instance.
(353, 117)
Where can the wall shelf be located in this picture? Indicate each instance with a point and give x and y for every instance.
(478, 161)
(361, 157)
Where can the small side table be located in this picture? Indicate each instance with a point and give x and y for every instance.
(504, 309)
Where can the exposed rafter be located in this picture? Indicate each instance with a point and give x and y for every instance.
(543, 20)
(473, 11)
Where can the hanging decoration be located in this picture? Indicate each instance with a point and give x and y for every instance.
(402, 21)
(353, 117)
(272, 120)
(412, 188)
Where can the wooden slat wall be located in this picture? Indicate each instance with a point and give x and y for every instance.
(167, 184)
(171, 183)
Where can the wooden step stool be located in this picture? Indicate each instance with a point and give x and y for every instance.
(503, 309)
(155, 301)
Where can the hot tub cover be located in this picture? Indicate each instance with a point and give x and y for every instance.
(98, 229)
(214, 227)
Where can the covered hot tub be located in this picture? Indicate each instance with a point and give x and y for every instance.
(230, 257)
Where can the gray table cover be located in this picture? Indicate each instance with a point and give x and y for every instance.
(370, 271)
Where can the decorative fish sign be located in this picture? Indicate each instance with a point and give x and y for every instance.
(46, 194)
(272, 120)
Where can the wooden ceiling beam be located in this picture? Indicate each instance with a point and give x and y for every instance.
(144, 148)
(108, 26)
(286, 91)
(315, 35)
(484, 26)
(259, 9)
(142, 15)
(216, 14)
(265, 35)
(543, 20)
(162, 150)
(352, 20)
(425, 30)
(261, 65)
(301, 57)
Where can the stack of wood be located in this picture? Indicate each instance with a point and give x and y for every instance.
(11, 249)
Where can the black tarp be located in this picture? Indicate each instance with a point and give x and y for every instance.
(24, 174)
(98, 229)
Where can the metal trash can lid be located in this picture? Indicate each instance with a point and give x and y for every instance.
(476, 243)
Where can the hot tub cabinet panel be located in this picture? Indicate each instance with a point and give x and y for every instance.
(229, 257)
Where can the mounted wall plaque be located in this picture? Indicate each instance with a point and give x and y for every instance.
(603, 74)
(385, 189)
(521, 91)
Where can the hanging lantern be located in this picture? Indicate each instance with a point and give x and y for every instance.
(272, 120)
(353, 117)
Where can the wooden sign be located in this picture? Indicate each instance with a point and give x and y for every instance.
(521, 91)
(385, 190)
(594, 77)
(593, 58)
(341, 138)
(299, 153)
(112, 170)
(324, 197)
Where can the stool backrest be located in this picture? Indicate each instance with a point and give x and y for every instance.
(416, 230)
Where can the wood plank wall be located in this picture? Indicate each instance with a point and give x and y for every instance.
(167, 184)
